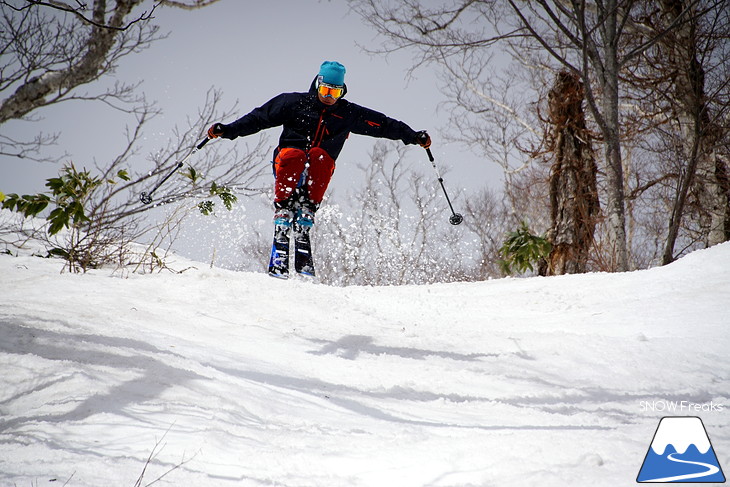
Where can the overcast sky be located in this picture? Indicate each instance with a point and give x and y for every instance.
(252, 51)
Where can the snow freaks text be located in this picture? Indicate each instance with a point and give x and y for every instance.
(680, 406)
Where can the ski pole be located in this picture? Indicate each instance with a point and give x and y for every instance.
(455, 218)
(146, 197)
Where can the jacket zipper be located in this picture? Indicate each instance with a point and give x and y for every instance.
(319, 133)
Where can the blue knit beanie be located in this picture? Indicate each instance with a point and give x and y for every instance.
(332, 73)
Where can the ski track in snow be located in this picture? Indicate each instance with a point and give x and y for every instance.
(711, 470)
(247, 380)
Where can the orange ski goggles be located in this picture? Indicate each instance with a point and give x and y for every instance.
(332, 91)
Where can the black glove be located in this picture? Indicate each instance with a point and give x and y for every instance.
(423, 139)
(216, 130)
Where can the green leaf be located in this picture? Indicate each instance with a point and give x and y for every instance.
(77, 211)
(521, 250)
(228, 200)
(58, 219)
(28, 205)
(59, 252)
(191, 174)
(11, 202)
(206, 207)
(38, 204)
(224, 194)
(54, 184)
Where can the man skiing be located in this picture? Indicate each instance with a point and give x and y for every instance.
(315, 127)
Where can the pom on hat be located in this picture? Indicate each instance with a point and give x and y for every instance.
(332, 73)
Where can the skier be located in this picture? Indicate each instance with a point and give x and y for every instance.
(315, 127)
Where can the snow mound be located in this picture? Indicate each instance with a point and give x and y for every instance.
(240, 379)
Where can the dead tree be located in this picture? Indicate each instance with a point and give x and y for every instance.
(574, 205)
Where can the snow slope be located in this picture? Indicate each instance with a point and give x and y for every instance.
(244, 380)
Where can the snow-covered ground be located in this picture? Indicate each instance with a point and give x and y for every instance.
(238, 379)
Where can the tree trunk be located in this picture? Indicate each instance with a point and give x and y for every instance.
(574, 203)
(602, 55)
(713, 198)
(615, 212)
(706, 173)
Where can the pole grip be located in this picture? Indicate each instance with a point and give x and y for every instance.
(430, 156)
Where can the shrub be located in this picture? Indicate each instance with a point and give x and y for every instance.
(522, 249)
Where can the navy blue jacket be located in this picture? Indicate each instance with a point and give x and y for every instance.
(307, 122)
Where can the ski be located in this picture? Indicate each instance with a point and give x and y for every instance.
(279, 261)
(280, 249)
(303, 261)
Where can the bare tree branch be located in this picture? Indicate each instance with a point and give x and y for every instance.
(64, 7)
(91, 53)
(196, 4)
(604, 42)
(51, 49)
